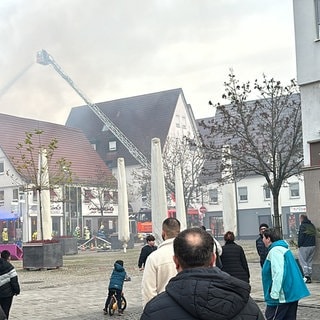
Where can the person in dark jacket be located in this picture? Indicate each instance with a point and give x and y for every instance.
(115, 285)
(261, 248)
(200, 290)
(233, 259)
(9, 284)
(307, 246)
(146, 250)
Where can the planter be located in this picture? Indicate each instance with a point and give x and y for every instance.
(69, 246)
(41, 255)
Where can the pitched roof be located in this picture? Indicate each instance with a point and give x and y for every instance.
(72, 145)
(140, 118)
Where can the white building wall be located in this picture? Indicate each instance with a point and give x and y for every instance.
(308, 70)
(256, 197)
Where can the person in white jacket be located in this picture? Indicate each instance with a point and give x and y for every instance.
(160, 267)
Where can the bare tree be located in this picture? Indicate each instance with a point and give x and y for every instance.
(27, 165)
(263, 136)
(178, 151)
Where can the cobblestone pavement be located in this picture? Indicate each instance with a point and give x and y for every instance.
(78, 289)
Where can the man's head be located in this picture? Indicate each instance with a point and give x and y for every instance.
(269, 236)
(5, 254)
(193, 248)
(303, 217)
(170, 228)
(150, 239)
(263, 227)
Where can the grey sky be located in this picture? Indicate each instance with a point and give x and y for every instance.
(120, 48)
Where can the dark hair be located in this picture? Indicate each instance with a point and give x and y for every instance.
(228, 236)
(5, 254)
(171, 226)
(119, 262)
(193, 248)
(272, 234)
(150, 237)
(203, 228)
(263, 225)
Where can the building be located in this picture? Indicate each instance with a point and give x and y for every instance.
(241, 206)
(254, 206)
(307, 40)
(71, 205)
(141, 118)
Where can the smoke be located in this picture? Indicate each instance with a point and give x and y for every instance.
(118, 48)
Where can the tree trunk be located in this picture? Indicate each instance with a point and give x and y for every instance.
(276, 217)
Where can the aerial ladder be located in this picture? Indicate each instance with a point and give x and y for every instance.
(44, 58)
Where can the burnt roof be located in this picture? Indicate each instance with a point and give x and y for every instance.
(141, 118)
(72, 145)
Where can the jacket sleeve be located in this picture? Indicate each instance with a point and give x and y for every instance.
(301, 235)
(142, 257)
(277, 271)
(244, 262)
(14, 282)
(149, 281)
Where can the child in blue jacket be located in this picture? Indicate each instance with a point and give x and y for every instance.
(115, 285)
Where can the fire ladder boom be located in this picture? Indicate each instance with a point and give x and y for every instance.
(44, 58)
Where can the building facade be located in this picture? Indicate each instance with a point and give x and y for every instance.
(307, 41)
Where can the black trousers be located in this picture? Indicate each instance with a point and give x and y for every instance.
(283, 311)
(117, 293)
(6, 304)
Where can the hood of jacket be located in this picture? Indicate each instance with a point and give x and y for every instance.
(209, 293)
(279, 243)
(5, 266)
(118, 267)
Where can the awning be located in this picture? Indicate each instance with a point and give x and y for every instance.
(7, 216)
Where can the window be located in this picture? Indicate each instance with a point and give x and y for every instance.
(294, 190)
(112, 145)
(177, 121)
(34, 195)
(15, 195)
(1, 198)
(115, 197)
(266, 193)
(213, 196)
(184, 122)
(243, 194)
(1, 167)
(94, 146)
(317, 10)
(88, 196)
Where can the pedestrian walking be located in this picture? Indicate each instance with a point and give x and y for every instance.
(306, 246)
(160, 268)
(261, 248)
(200, 290)
(146, 250)
(9, 284)
(115, 285)
(283, 284)
(233, 258)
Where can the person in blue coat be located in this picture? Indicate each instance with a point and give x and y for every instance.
(283, 285)
(115, 285)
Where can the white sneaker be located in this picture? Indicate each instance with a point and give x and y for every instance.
(305, 279)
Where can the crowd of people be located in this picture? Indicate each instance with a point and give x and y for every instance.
(191, 276)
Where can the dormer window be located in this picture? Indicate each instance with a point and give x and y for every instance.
(112, 145)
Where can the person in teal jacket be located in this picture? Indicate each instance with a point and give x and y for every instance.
(115, 285)
(282, 280)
